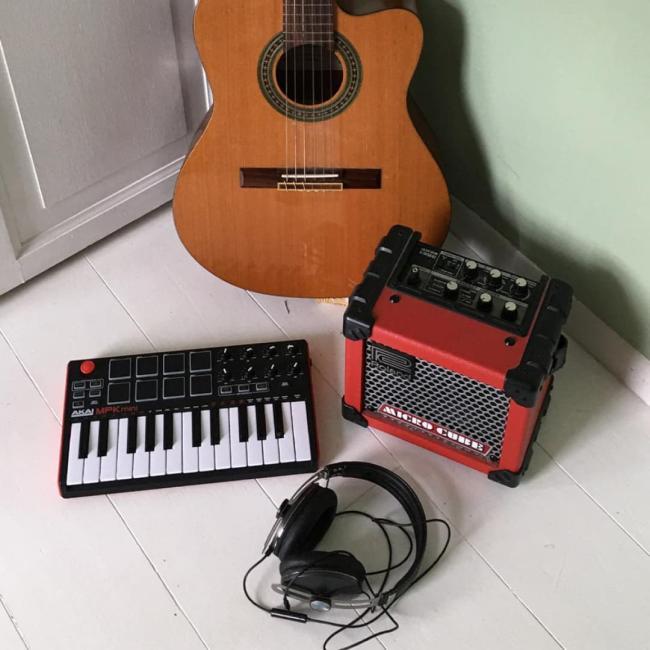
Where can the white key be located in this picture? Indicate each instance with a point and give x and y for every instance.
(75, 464)
(157, 457)
(124, 460)
(254, 446)
(287, 451)
(190, 454)
(300, 430)
(108, 470)
(91, 464)
(270, 445)
(175, 454)
(222, 450)
(141, 456)
(237, 449)
(206, 450)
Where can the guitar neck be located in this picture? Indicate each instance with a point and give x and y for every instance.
(309, 21)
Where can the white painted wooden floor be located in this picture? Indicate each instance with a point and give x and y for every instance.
(561, 562)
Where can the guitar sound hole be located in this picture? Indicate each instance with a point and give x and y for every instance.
(309, 74)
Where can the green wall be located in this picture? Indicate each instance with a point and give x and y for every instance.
(541, 111)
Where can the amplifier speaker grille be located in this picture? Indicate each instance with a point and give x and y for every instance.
(459, 403)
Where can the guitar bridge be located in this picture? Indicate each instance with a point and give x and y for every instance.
(310, 180)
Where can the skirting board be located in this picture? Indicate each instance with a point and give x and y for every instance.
(600, 340)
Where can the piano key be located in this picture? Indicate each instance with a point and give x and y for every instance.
(286, 443)
(102, 445)
(270, 447)
(196, 428)
(190, 452)
(132, 435)
(278, 420)
(82, 451)
(222, 450)
(300, 424)
(206, 450)
(124, 458)
(150, 432)
(108, 470)
(260, 421)
(215, 435)
(237, 447)
(175, 452)
(92, 461)
(254, 444)
(243, 423)
(75, 471)
(168, 431)
(141, 455)
(158, 457)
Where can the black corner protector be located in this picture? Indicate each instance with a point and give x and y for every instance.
(546, 349)
(351, 414)
(505, 477)
(358, 320)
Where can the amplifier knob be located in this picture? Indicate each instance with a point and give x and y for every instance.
(451, 289)
(413, 278)
(250, 372)
(520, 287)
(226, 374)
(495, 278)
(470, 269)
(250, 352)
(485, 302)
(509, 311)
(294, 368)
(273, 350)
(273, 370)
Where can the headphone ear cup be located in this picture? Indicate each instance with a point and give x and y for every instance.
(322, 573)
(306, 522)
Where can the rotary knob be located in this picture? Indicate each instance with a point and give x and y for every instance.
(413, 278)
(520, 287)
(226, 374)
(451, 290)
(273, 370)
(291, 349)
(250, 372)
(227, 354)
(470, 269)
(294, 368)
(250, 353)
(485, 302)
(509, 311)
(495, 277)
(273, 350)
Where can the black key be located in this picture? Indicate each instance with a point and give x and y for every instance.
(168, 431)
(260, 420)
(215, 429)
(196, 428)
(150, 432)
(102, 446)
(132, 435)
(243, 424)
(278, 420)
(84, 439)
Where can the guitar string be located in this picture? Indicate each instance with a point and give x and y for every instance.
(285, 9)
(303, 43)
(332, 33)
(295, 82)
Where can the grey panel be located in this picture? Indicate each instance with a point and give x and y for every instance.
(98, 90)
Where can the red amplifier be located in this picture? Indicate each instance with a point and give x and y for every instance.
(452, 354)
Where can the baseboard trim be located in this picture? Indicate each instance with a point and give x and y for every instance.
(599, 339)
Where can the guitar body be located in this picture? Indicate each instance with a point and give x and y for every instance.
(283, 238)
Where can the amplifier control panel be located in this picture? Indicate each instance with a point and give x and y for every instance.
(459, 283)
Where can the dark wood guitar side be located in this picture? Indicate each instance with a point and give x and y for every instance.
(309, 154)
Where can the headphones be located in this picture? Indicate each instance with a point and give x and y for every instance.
(335, 579)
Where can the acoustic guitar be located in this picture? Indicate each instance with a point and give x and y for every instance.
(309, 154)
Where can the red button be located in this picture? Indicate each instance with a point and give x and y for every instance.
(87, 367)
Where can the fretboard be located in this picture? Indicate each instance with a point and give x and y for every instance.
(309, 21)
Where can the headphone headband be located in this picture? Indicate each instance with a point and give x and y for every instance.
(406, 497)
(383, 478)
